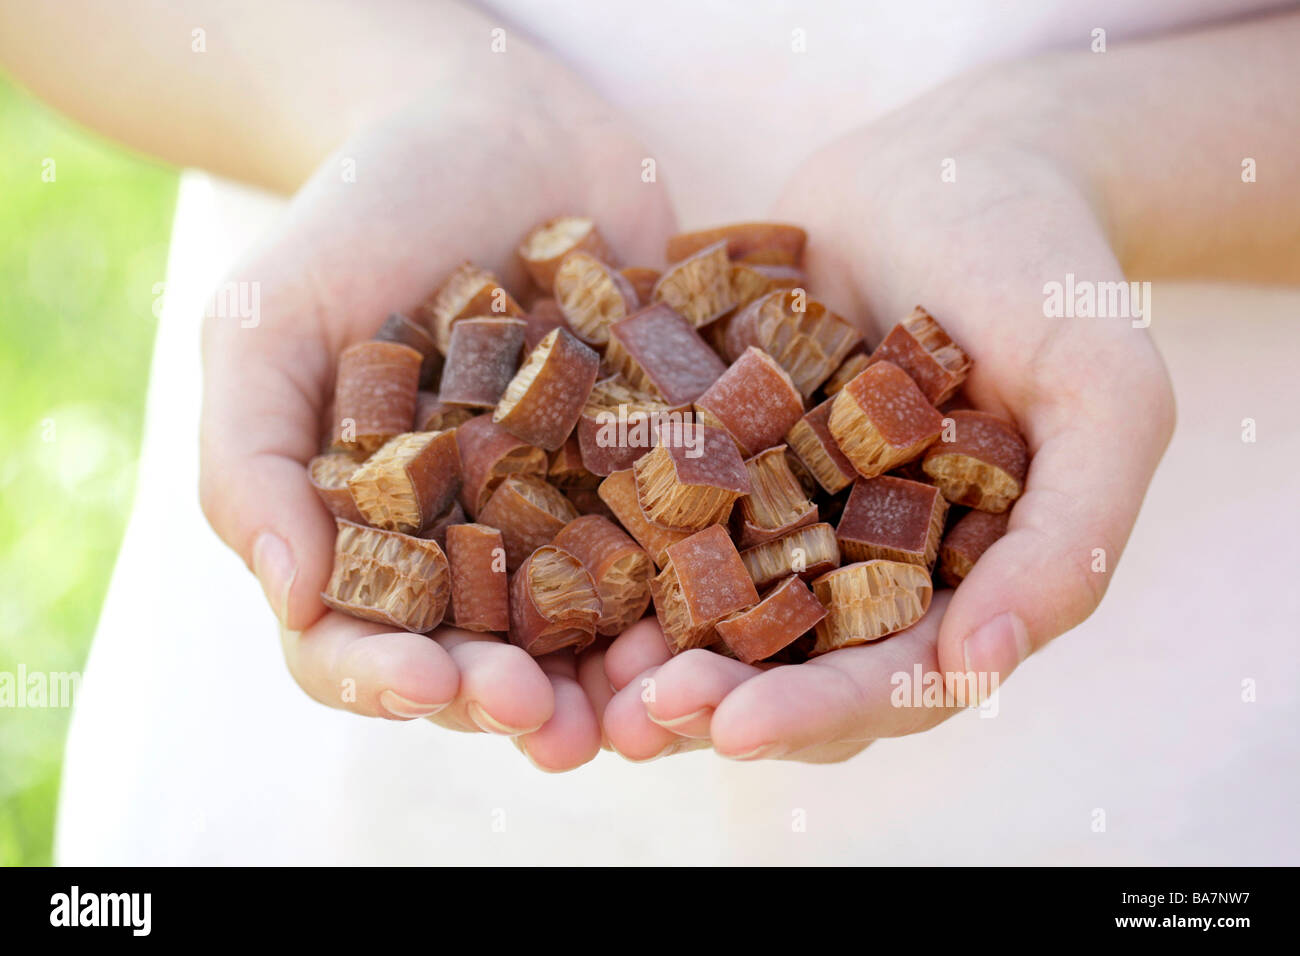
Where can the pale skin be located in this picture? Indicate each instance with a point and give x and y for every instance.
(1064, 164)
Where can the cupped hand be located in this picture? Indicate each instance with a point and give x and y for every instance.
(375, 229)
(933, 207)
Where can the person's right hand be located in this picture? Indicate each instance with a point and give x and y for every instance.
(435, 184)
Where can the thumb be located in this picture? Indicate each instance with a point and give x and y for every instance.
(263, 395)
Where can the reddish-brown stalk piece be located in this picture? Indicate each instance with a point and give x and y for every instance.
(966, 543)
(892, 518)
(691, 478)
(467, 292)
(699, 286)
(529, 513)
(811, 441)
(566, 469)
(776, 503)
(765, 243)
(618, 491)
(388, 577)
(750, 281)
(431, 415)
(881, 420)
(807, 339)
(985, 464)
(658, 351)
(783, 615)
(869, 600)
(846, 373)
(617, 426)
(592, 296)
(553, 603)
(481, 360)
(754, 400)
(543, 401)
(643, 281)
(544, 316)
(921, 348)
(588, 501)
(436, 530)
(703, 581)
(809, 552)
(480, 588)
(374, 398)
(489, 454)
(619, 566)
(546, 246)
(398, 328)
(329, 474)
(408, 482)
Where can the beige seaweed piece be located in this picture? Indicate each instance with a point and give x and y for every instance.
(388, 577)
(869, 600)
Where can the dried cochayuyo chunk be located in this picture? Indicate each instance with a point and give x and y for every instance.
(658, 351)
(588, 501)
(619, 566)
(699, 286)
(436, 530)
(480, 588)
(921, 348)
(544, 316)
(811, 441)
(398, 328)
(553, 603)
(846, 373)
(966, 542)
(643, 281)
(809, 551)
(783, 615)
(468, 291)
(807, 339)
(566, 469)
(529, 513)
(691, 478)
(409, 481)
(776, 503)
(892, 518)
(881, 420)
(754, 400)
(702, 582)
(545, 246)
(374, 398)
(592, 296)
(769, 243)
(618, 491)
(481, 361)
(388, 577)
(543, 401)
(617, 426)
(750, 281)
(431, 415)
(329, 475)
(488, 455)
(984, 466)
(868, 600)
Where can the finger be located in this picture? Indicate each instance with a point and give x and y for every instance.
(572, 736)
(846, 696)
(502, 689)
(359, 666)
(631, 732)
(1093, 457)
(688, 688)
(595, 684)
(637, 649)
(260, 425)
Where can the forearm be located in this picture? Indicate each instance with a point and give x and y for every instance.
(267, 90)
(1160, 133)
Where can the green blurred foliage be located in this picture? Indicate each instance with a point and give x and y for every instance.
(83, 240)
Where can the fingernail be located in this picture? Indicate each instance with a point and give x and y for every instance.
(673, 723)
(399, 706)
(674, 747)
(997, 647)
(765, 752)
(275, 569)
(490, 725)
